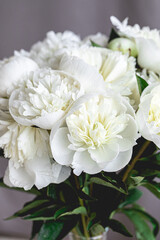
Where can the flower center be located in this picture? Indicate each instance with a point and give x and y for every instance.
(93, 125)
(154, 111)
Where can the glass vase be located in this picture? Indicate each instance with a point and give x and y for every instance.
(74, 236)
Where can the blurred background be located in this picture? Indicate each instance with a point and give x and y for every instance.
(24, 22)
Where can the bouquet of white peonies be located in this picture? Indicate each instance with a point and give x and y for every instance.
(80, 125)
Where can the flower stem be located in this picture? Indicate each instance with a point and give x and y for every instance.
(86, 234)
(131, 166)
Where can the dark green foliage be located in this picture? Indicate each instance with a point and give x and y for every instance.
(57, 230)
(95, 44)
(142, 84)
(141, 221)
(119, 227)
(113, 35)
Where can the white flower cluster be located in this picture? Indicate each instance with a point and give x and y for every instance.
(147, 42)
(67, 105)
(148, 46)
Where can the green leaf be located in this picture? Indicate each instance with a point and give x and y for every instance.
(115, 179)
(119, 227)
(134, 181)
(81, 180)
(92, 221)
(28, 207)
(100, 181)
(61, 211)
(143, 231)
(153, 187)
(147, 170)
(133, 196)
(68, 193)
(142, 84)
(52, 192)
(43, 214)
(56, 230)
(50, 230)
(154, 158)
(151, 219)
(95, 44)
(79, 210)
(113, 35)
(84, 196)
(149, 166)
(36, 228)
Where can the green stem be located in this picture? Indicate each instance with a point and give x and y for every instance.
(131, 166)
(86, 234)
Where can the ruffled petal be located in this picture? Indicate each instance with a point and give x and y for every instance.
(12, 71)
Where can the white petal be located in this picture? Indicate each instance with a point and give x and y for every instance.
(41, 169)
(59, 146)
(120, 26)
(60, 173)
(148, 54)
(119, 162)
(19, 177)
(78, 103)
(104, 154)
(87, 75)
(141, 117)
(12, 71)
(144, 127)
(129, 135)
(82, 161)
(6, 179)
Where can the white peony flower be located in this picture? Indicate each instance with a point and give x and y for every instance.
(100, 133)
(45, 95)
(97, 38)
(42, 52)
(147, 41)
(30, 161)
(117, 70)
(148, 115)
(12, 71)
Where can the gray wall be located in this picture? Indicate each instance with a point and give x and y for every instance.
(23, 22)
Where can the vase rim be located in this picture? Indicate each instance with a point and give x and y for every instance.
(92, 238)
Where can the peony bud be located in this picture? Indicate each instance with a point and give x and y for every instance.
(123, 45)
